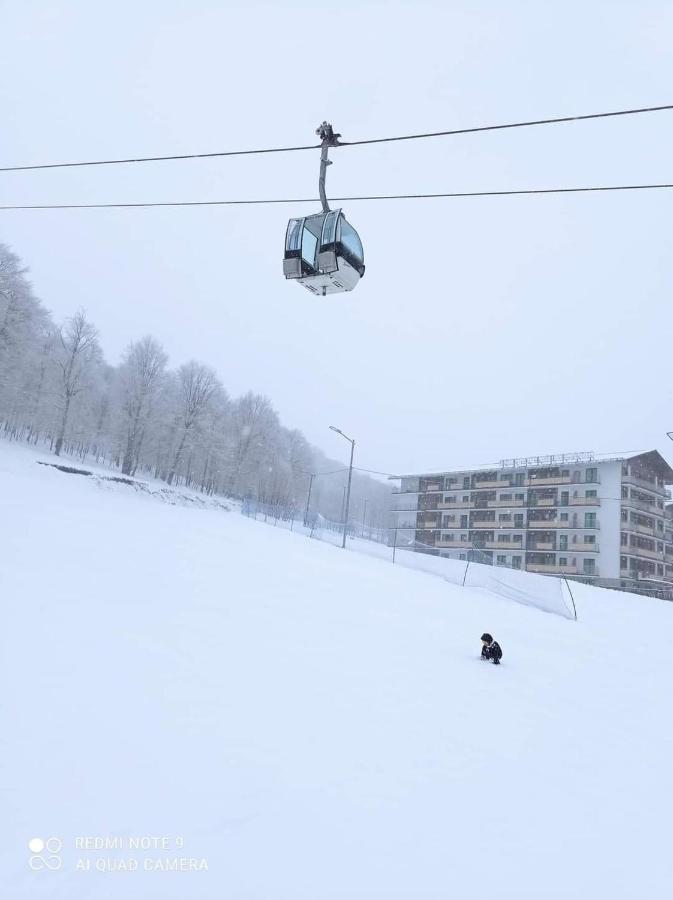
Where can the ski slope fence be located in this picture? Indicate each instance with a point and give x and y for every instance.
(551, 594)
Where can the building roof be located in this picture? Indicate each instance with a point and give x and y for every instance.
(651, 460)
(654, 462)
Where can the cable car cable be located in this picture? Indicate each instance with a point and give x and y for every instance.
(554, 121)
(372, 197)
(404, 137)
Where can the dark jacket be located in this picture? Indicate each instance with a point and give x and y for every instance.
(492, 652)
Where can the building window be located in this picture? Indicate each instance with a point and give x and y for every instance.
(463, 537)
(591, 494)
(589, 538)
(624, 539)
(466, 498)
(518, 537)
(503, 538)
(563, 561)
(625, 516)
(462, 556)
(660, 569)
(519, 497)
(466, 481)
(518, 521)
(505, 496)
(516, 562)
(589, 566)
(564, 517)
(563, 542)
(591, 476)
(504, 517)
(622, 562)
(589, 520)
(502, 560)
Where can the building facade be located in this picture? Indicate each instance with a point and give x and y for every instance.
(605, 520)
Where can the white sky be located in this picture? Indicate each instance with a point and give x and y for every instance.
(484, 328)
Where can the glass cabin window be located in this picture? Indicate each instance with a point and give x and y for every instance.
(293, 240)
(309, 243)
(329, 228)
(350, 240)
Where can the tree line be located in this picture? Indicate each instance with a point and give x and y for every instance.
(145, 419)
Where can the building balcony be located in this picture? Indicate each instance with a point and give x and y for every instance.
(549, 569)
(642, 552)
(456, 504)
(637, 575)
(650, 508)
(542, 482)
(456, 545)
(506, 504)
(584, 501)
(492, 526)
(543, 524)
(503, 545)
(477, 485)
(432, 489)
(533, 502)
(540, 546)
(640, 529)
(644, 483)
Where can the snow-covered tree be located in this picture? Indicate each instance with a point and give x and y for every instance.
(78, 355)
(140, 378)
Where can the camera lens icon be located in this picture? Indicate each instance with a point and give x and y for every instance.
(45, 853)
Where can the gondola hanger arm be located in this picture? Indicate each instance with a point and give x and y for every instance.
(327, 139)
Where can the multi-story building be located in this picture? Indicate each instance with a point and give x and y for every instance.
(605, 520)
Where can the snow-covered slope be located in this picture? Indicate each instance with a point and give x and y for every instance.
(312, 723)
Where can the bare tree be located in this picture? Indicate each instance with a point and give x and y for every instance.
(79, 352)
(197, 384)
(143, 367)
(254, 421)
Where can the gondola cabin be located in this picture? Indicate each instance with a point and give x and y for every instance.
(324, 253)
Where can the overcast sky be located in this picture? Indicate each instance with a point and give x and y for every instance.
(483, 328)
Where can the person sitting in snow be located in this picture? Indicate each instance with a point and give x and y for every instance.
(490, 649)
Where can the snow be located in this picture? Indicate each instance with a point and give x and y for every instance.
(312, 723)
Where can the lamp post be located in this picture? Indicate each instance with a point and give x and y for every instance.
(350, 476)
(308, 499)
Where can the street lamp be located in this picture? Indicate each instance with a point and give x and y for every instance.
(350, 476)
(311, 476)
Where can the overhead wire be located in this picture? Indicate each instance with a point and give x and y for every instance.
(368, 198)
(380, 140)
